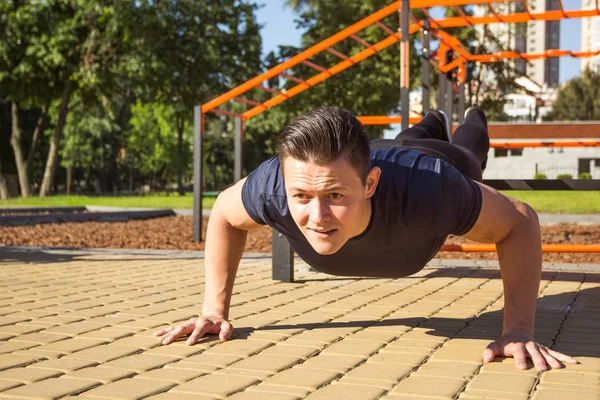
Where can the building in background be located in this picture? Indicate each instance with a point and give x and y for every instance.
(530, 37)
(590, 36)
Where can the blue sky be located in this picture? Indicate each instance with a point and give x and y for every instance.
(280, 29)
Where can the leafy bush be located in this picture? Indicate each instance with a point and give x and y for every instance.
(564, 176)
(585, 175)
(540, 176)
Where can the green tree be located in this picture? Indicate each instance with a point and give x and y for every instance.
(578, 99)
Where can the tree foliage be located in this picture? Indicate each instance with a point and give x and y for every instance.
(578, 99)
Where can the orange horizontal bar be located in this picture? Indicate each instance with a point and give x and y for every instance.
(246, 101)
(532, 56)
(313, 65)
(385, 120)
(453, 22)
(317, 48)
(331, 71)
(268, 90)
(519, 145)
(546, 248)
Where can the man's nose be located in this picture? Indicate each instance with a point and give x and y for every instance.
(319, 211)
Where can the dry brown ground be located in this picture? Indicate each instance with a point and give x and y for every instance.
(175, 233)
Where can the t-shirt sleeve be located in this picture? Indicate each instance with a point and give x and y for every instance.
(459, 201)
(253, 191)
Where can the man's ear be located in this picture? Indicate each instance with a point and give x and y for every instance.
(372, 181)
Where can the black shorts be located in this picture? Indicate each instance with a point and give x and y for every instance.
(458, 156)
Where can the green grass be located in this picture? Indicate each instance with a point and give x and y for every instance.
(152, 201)
(559, 201)
(567, 202)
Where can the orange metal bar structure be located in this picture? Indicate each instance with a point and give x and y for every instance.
(385, 120)
(546, 248)
(301, 57)
(531, 56)
(520, 145)
(227, 113)
(246, 101)
(269, 90)
(313, 65)
(326, 74)
(455, 22)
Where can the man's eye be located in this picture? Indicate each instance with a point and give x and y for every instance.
(300, 196)
(336, 196)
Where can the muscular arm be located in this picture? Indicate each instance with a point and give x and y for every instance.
(514, 227)
(228, 227)
(226, 234)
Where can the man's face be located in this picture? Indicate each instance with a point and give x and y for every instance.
(329, 203)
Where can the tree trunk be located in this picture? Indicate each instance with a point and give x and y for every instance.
(3, 187)
(15, 142)
(36, 134)
(69, 179)
(180, 156)
(54, 144)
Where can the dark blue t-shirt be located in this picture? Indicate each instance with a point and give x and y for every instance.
(418, 202)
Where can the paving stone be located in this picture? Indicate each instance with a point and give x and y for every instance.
(397, 358)
(552, 394)
(101, 374)
(170, 375)
(217, 360)
(70, 345)
(52, 388)
(507, 368)
(267, 390)
(448, 369)
(383, 372)
(41, 337)
(459, 353)
(259, 375)
(180, 396)
(176, 349)
(11, 346)
(261, 396)
(28, 375)
(140, 362)
(242, 348)
(265, 362)
(486, 395)
(507, 383)
(305, 378)
(575, 388)
(337, 363)
(105, 353)
(6, 384)
(12, 360)
(346, 392)
(290, 350)
(129, 389)
(215, 385)
(567, 378)
(430, 386)
(64, 364)
(355, 348)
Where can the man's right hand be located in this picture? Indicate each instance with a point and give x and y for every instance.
(197, 327)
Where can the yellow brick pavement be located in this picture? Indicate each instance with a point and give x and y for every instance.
(81, 327)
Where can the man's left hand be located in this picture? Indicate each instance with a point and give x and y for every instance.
(522, 346)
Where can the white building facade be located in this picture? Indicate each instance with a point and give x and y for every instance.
(590, 36)
(530, 37)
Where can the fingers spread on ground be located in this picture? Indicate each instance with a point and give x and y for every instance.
(200, 329)
(562, 357)
(536, 356)
(520, 355)
(226, 331)
(162, 331)
(553, 362)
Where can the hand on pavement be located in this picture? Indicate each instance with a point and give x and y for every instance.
(196, 328)
(521, 347)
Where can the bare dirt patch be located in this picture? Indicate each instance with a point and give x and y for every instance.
(175, 233)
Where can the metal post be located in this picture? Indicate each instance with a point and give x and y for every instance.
(461, 102)
(283, 258)
(404, 63)
(237, 164)
(441, 91)
(449, 89)
(198, 158)
(425, 67)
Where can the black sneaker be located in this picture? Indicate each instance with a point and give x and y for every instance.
(442, 119)
(474, 112)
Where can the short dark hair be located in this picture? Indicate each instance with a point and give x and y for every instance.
(324, 135)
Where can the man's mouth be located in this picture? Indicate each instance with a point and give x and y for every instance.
(323, 232)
